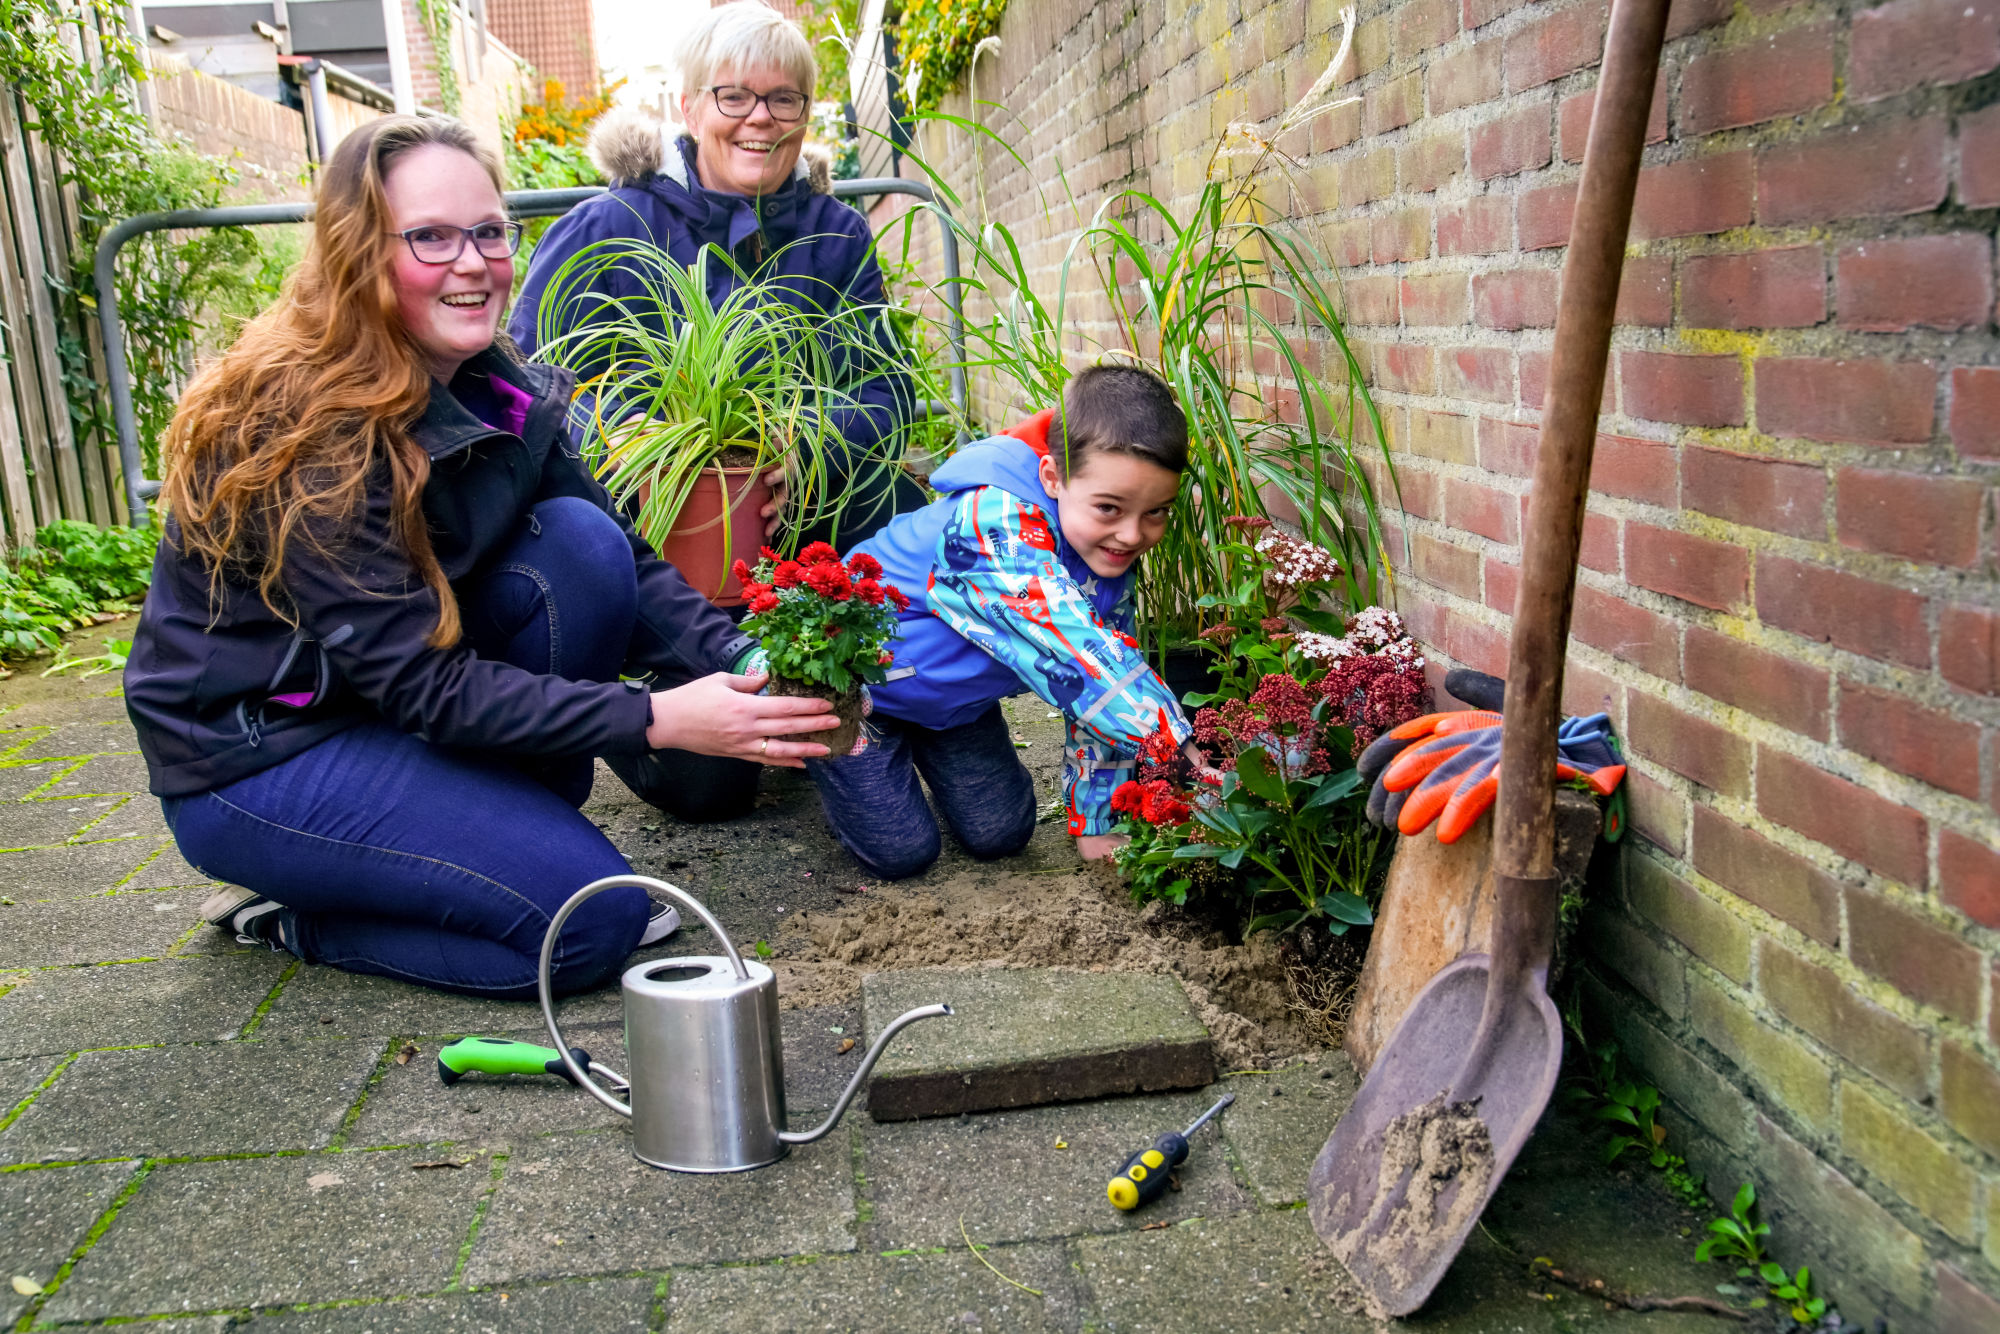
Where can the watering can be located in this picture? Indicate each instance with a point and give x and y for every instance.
(707, 1074)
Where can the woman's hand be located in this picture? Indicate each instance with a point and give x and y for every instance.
(1099, 847)
(724, 715)
(775, 511)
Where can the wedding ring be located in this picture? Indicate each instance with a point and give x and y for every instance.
(764, 746)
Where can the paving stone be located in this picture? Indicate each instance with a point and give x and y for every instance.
(43, 1215)
(896, 1292)
(104, 774)
(74, 740)
(40, 824)
(587, 1206)
(920, 1174)
(122, 1005)
(20, 1078)
(139, 816)
(360, 1005)
(606, 1306)
(72, 872)
(168, 870)
(1275, 1135)
(226, 1097)
(1023, 1036)
(264, 1231)
(94, 930)
(89, 708)
(1256, 1272)
(18, 780)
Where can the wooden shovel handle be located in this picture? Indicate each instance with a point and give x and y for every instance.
(1524, 830)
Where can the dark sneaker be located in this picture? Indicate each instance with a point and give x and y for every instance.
(247, 915)
(666, 920)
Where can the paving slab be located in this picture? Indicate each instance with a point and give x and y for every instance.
(130, 1004)
(20, 1078)
(1258, 1272)
(43, 1215)
(585, 1205)
(138, 817)
(325, 1002)
(223, 1097)
(40, 824)
(888, 1293)
(72, 740)
(166, 871)
(265, 1231)
(1279, 1123)
(101, 775)
(18, 780)
(603, 1306)
(102, 929)
(1003, 1173)
(73, 872)
(103, 707)
(1023, 1036)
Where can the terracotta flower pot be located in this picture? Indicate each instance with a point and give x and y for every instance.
(846, 706)
(695, 545)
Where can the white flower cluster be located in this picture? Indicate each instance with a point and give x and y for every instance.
(1294, 564)
(1324, 648)
(1376, 630)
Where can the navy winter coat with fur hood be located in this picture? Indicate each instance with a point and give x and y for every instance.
(219, 691)
(820, 250)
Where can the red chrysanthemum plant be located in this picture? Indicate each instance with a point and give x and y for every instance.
(825, 626)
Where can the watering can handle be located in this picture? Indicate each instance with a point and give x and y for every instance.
(576, 900)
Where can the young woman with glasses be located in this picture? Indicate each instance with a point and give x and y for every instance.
(735, 180)
(391, 612)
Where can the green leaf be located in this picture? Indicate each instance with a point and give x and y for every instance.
(1349, 908)
(1232, 858)
(1746, 1200)
(1199, 850)
(1277, 921)
(1253, 767)
(1333, 787)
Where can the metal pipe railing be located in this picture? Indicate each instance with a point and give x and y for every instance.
(520, 203)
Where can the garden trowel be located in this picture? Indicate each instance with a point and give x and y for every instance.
(1463, 1079)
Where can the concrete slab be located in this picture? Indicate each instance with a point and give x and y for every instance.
(1258, 1273)
(587, 1206)
(94, 930)
(18, 780)
(227, 1097)
(1279, 1123)
(1004, 1174)
(124, 1005)
(93, 707)
(1022, 1036)
(72, 740)
(72, 872)
(40, 824)
(265, 1231)
(44, 1215)
(138, 817)
(897, 1292)
(102, 775)
(325, 1002)
(20, 1078)
(166, 871)
(606, 1306)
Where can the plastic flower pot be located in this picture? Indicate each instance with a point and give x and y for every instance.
(701, 546)
(846, 707)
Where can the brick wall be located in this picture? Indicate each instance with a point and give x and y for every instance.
(266, 141)
(557, 39)
(492, 85)
(1787, 599)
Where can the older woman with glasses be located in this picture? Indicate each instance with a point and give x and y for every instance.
(735, 180)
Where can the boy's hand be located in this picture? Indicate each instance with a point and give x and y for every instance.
(1099, 847)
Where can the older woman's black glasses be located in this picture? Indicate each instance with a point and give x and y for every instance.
(736, 103)
(437, 243)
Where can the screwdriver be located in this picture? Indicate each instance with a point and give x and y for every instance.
(499, 1056)
(1144, 1176)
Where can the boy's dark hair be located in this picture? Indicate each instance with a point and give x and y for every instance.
(1118, 410)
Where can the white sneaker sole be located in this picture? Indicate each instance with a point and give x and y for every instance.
(663, 923)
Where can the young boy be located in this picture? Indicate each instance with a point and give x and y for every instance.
(1020, 577)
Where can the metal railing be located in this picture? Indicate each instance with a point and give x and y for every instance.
(520, 203)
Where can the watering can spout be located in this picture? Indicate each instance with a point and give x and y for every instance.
(896, 1026)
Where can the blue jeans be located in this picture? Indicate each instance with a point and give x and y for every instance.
(876, 807)
(444, 867)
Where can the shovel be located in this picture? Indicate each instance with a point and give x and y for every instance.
(1463, 1079)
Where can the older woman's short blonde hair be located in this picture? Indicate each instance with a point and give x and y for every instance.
(743, 36)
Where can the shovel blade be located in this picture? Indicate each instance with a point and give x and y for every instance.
(1398, 1230)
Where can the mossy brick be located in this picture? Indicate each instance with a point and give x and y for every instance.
(186, 1101)
(1022, 1036)
(1280, 1121)
(919, 1188)
(1712, 932)
(44, 1215)
(1819, 1216)
(584, 1204)
(94, 930)
(1992, 1247)
(600, 1306)
(71, 872)
(1925, 960)
(265, 1231)
(1714, 1103)
(1816, 999)
(1774, 1062)
(1969, 1095)
(952, 1290)
(1886, 1139)
(1652, 970)
(1964, 1307)
(128, 1004)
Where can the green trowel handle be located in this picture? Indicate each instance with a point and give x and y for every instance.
(498, 1056)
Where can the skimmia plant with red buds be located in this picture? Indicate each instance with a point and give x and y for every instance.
(819, 620)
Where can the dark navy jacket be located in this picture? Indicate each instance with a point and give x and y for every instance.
(819, 250)
(219, 692)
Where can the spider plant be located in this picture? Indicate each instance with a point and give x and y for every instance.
(1235, 304)
(677, 385)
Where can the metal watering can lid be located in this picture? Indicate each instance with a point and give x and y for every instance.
(694, 976)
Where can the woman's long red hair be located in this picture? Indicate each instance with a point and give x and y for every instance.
(276, 441)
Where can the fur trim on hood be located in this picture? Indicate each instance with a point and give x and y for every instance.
(630, 144)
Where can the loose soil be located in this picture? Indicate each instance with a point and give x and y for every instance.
(1072, 919)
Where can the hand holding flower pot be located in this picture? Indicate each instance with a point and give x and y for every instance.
(825, 627)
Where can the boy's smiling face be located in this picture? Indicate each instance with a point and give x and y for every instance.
(1113, 510)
